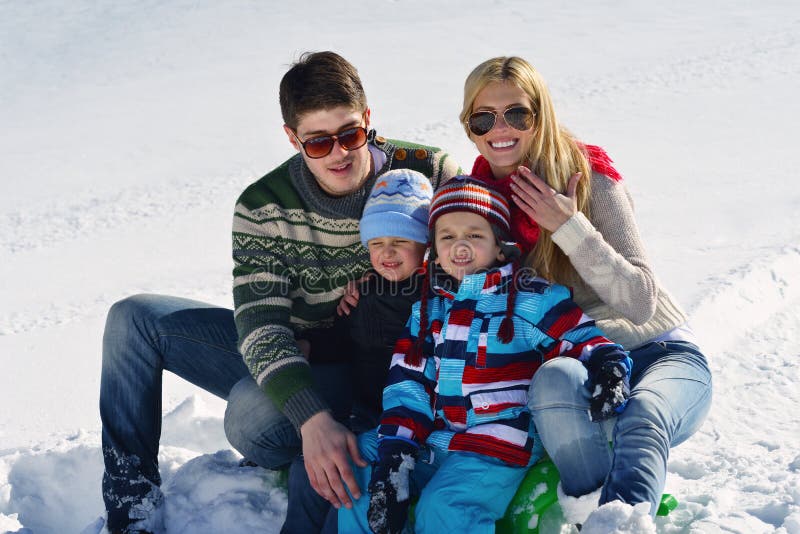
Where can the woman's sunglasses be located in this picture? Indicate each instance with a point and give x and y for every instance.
(319, 147)
(518, 117)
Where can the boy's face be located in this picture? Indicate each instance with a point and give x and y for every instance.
(395, 258)
(465, 244)
(341, 172)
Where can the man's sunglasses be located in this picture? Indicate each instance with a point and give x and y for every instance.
(319, 147)
(518, 117)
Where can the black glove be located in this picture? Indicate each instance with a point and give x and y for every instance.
(389, 486)
(609, 382)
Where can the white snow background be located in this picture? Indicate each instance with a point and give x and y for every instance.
(128, 129)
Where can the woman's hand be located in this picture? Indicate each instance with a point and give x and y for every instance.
(543, 204)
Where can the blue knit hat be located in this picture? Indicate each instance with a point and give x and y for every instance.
(398, 207)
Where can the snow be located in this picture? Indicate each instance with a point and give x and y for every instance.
(619, 518)
(129, 128)
(577, 509)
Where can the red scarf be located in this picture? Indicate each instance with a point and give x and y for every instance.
(524, 230)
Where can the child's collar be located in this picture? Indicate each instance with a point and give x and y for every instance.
(474, 285)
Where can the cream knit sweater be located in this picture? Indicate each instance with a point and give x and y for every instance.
(618, 287)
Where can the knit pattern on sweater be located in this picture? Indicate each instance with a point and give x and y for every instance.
(294, 250)
(470, 391)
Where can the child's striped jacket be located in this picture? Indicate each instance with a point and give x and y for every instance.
(470, 391)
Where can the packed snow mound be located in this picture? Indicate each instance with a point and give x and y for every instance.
(619, 518)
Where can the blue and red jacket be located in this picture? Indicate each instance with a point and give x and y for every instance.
(470, 391)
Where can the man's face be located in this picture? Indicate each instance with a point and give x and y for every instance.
(341, 172)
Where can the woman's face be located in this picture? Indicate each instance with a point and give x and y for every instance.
(504, 147)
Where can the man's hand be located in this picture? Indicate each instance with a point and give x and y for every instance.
(327, 449)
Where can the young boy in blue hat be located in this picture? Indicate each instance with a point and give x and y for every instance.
(394, 229)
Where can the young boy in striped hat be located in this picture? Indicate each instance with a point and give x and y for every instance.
(455, 429)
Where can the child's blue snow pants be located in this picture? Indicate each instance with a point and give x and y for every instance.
(458, 492)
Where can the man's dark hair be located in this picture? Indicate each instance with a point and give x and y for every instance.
(319, 81)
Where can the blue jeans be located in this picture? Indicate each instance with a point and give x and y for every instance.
(261, 433)
(458, 492)
(147, 334)
(670, 398)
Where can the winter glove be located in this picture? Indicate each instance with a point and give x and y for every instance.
(609, 382)
(389, 486)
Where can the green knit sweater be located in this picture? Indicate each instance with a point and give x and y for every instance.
(294, 250)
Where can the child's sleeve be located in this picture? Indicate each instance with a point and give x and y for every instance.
(574, 334)
(408, 412)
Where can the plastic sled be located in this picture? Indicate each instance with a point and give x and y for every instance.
(534, 500)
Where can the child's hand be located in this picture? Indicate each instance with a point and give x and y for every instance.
(389, 487)
(351, 295)
(609, 381)
(305, 347)
(610, 391)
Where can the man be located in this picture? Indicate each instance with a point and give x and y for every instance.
(295, 247)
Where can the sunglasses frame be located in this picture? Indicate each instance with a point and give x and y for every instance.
(335, 138)
(494, 114)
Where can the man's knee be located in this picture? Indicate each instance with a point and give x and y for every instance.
(243, 404)
(130, 309)
(129, 315)
(257, 429)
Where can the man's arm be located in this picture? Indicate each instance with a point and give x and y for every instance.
(262, 290)
(262, 284)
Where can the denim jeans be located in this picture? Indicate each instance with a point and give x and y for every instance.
(147, 334)
(670, 398)
(261, 433)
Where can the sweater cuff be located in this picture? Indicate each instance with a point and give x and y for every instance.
(571, 234)
(301, 406)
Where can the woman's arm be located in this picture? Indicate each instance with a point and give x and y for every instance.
(608, 253)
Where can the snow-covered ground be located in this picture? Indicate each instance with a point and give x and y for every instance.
(129, 128)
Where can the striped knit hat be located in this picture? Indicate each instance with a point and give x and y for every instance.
(465, 193)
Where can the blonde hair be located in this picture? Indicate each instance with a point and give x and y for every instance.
(554, 154)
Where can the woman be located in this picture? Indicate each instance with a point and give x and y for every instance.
(575, 215)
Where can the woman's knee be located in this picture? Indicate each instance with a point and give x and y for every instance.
(558, 380)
